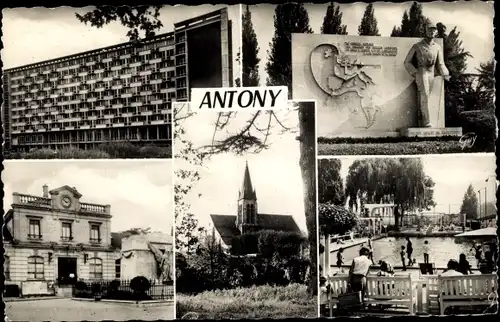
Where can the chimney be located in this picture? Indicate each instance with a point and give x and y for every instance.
(45, 191)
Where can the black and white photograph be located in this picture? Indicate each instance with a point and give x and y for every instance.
(388, 78)
(408, 235)
(245, 217)
(88, 241)
(99, 82)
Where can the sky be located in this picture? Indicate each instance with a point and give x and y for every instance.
(31, 35)
(139, 192)
(452, 173)
(473, 19)
(275, 173)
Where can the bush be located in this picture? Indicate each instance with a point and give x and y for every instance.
(81, 286)
(140, 284)
(335, 219)
(153, 151)
(41, 154)
(75, 153)
(483, 124)
(245, 244)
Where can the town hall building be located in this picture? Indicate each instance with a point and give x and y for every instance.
(248, 219)
(52, 241)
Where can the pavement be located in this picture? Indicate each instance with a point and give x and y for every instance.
(68, 310)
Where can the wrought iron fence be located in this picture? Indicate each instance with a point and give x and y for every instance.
(121, 290)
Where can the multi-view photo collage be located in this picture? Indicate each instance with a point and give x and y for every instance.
(264, 161)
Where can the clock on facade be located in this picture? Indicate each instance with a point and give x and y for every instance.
(66, 201)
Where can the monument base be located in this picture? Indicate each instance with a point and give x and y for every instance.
(431, 132)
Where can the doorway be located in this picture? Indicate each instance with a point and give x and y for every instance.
(66, 271)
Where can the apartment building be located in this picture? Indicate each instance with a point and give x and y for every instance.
(57, 237)
(118, 93)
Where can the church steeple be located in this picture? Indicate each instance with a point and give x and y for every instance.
(247, 191)
(247, 203)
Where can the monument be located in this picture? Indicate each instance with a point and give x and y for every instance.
(370, 86)
(149, 255)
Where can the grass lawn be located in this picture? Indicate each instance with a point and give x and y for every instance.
(397, 148)
(278, 302)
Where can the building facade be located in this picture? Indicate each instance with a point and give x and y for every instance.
(118, 93)
(248, 219)
(57, 238)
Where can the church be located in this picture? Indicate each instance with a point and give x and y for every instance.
(248, 219)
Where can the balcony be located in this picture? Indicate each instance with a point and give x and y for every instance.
(34, 201)
(94, 208)
(118, 124)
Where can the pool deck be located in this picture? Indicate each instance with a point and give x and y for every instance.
(352, 242)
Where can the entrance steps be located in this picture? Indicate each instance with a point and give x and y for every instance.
(64, 291)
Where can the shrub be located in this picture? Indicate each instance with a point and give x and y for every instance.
(81, 286)
(335, 219)
(153, 151)
(140, 284)
(120, 150)
(245, 244)
(483, 124)
(75, 153)
(284, 243)
(96, 288)
(41, 154)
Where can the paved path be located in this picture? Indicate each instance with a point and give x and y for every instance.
(348, 243)
(69, 310)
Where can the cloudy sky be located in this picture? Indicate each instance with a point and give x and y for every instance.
(452, 175)
(35, 34)
(275, 173)
(473, 19)
(139, 192)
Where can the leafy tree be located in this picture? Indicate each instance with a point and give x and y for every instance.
(330, 184)
(138, 19)
(335, 219)
(486, 82)
(369, 25)
(470, 204)
(250, 51)
(399, 181)
(288, 18)
(332, 23)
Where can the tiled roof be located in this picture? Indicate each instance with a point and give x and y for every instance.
(226, 225)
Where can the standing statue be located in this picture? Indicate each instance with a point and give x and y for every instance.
(164, 263)
(428, 57)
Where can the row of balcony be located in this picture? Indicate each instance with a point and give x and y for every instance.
(114, 56)
(90, 127)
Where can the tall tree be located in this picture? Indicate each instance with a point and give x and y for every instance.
(369, 25)
(288, 18)
(412, 23)
(486, 82)
(142, 21)
(470, 204)
(399, 181)
(330, 183)
(250, 51)
(332, 23)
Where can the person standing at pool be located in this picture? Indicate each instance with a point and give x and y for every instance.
(425, 249)
(340, 260)
(358, 271)
(409, 251)
(370, 247)
(403, 261)
(477, 249)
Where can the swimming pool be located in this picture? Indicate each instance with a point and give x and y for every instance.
(442, 249)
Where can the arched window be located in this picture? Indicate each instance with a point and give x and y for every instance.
(95, 268)
(6, 267)
(35, 268)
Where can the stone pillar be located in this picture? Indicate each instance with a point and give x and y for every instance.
(326, 267)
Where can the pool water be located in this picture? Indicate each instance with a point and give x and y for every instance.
(442, 249)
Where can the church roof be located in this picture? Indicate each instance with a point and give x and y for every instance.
(226, 225)
(247, 191)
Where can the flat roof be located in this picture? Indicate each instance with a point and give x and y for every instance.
(181, 24)
(93, 51)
